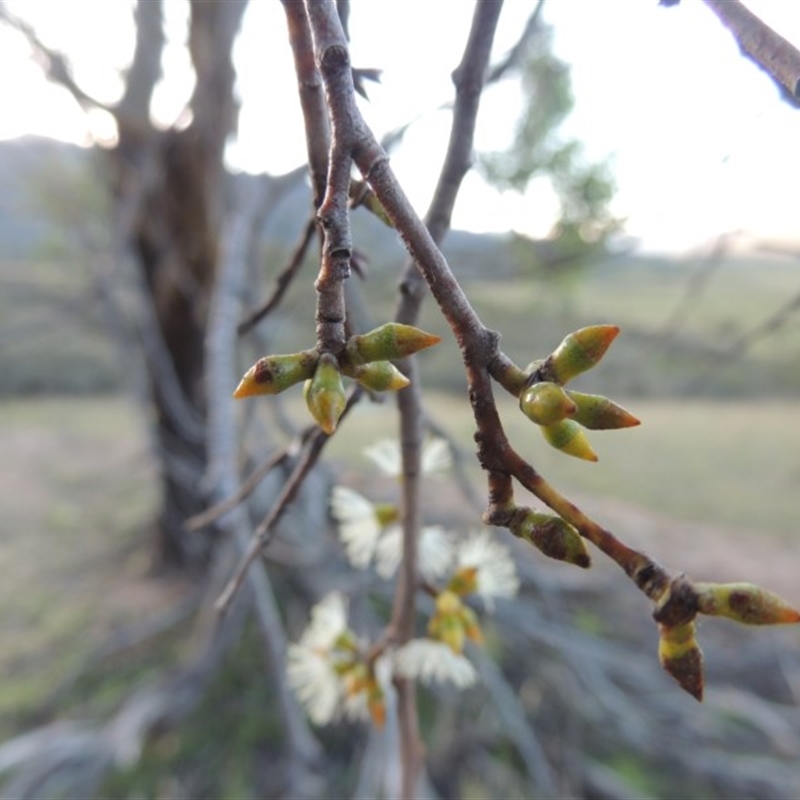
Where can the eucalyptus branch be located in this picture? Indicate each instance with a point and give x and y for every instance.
(468, 79)
(769, 50)
(677, 600)
(312, 102)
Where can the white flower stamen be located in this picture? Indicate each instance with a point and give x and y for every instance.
(386, 454)
(310, 662)
(433, 662)
(496, 572)
(435, 552)
(359, 527)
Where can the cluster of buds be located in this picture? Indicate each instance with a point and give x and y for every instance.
(329, 671)
(366, 359)
(453, 622)
(563, 414)
(678, 649)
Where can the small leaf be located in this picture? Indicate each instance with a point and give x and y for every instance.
(568, 437)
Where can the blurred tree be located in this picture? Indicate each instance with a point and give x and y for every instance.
(539, 151)
(167, 196)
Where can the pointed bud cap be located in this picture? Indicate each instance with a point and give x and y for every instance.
(744, 602)
(598, 413)
(377, 376)
(553, 536)
(273, 374)
(325, 395)
(376, 704)
(568, 437)
(390, 341)
(581, 350)
(448, 629)
(546, 403)
(464, 581)
(472, 628)
(681, 657)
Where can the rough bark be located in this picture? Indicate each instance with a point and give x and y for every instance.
(167, 188)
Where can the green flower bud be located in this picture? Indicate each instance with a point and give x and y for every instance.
(581, 350)
(325, 395)
(744, 602)
(378, 376)
(390, 341)
(568, 437)
(599, 413)
(681, 657)
(546, 403)
(552, 535)
(273, 374)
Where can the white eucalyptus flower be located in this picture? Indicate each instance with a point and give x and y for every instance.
(386, 454)
(316, 684)
(359, 527)
(430, 662)
(435, 552)
(496, 573)
(311, 662)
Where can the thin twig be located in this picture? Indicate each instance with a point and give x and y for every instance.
(266, 529)
(221, 508)
(283, 280)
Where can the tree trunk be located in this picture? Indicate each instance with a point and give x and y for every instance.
(168, 188)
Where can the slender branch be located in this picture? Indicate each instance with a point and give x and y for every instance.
(468, 79)
(221, 508)
(266, 529)
(312, 103)
(282, 282)
(478, 344)
(54, 64)
(768, 49)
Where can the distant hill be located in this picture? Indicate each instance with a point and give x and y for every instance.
(27, 163)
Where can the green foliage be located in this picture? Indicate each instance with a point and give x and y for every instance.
(538, 150)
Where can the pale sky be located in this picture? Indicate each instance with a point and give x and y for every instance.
(699, 142)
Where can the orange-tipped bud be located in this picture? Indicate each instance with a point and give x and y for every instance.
(453, 622)
(390, 341)
(581, 350)
(546, 403)
(599, 413)
(378, 376)
(744, 602)
(386, 513)
(681, 657)
(472, 628)
(552, 535)
(449, 630)
(568, 437)
(448, 603)
(464, 582)
(273, 374)
(325, 395)
(376, 704)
